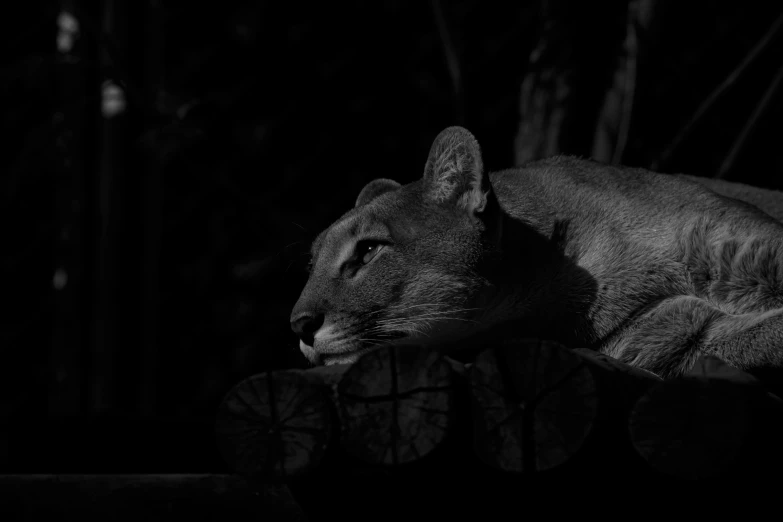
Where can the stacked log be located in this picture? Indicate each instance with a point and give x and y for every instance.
(393, 406)
(716, 422)
(526, 415)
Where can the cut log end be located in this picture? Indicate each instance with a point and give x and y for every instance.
(396, 404)
(694, 427)
(534, 404)
(275, 424)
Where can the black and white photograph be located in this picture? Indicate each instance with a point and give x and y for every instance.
(391, 260)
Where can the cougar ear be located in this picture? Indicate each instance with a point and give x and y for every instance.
(454, 172)
(374, 189)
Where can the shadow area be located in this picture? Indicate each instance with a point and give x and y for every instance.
(550, 294)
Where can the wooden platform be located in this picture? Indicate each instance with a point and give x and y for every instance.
(191, 497)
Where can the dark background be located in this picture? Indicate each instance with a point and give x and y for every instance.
(151, 257)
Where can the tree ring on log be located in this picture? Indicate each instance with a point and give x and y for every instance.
(275, 424)
(534, 404)
(396, 404)
(694, 426)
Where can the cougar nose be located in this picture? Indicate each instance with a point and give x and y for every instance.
(306, 324)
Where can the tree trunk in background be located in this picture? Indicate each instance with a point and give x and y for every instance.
(77, 221)
(126, 379)
(102, 377)
(614, 120)
(152, 76)
(104, 353)
(578, 94)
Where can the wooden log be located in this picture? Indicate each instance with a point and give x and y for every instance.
(396, 404)
(143, 497)
(394, 407)
(717, 421)
(632, 381)
(534, 405)
(276, 424)
(536, 402)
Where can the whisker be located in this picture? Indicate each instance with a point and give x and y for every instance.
(434, 315)
(431, 305)
(300, 226)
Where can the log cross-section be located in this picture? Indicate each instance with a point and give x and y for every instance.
(534, 404)
(275, 424)
(396, 404)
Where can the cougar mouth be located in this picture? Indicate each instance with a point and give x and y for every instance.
(351, 356)
(329, 359)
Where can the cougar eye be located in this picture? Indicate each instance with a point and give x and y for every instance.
(367, 250)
